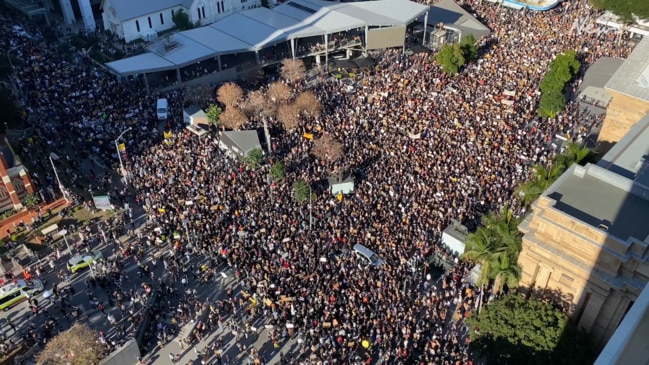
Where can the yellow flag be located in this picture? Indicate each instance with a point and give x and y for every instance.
(308, 135)
(161, 210)
(168, 134)
(339, 197)
(122, 147)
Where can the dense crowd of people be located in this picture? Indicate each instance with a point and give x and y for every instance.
(424, 148)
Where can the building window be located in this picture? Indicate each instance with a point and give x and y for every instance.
(222, 5)
(162, 19)
(137, 25)
(150, 24)
(218, 8)
(203, 10)
(199, 13)
(173, 13)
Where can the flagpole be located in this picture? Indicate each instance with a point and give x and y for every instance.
(56, 174)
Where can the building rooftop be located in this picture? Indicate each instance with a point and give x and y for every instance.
(630, 156)
(596, 77)
(453, 15)
(603, 199)
(632, 78)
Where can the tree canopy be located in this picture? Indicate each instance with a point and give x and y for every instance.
(544, 176)
(301, 190)
(514, 330)
(181, 20)
(77, 346)
(469, 47)
(562, 69)
(254, 158)
(277, 171)
(451, 58)
(625, 8)
(496, 245)
(213, 113)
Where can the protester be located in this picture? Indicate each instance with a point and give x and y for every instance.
(424, 148)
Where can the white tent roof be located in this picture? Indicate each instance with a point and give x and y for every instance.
(249, 30)
(218, 41)
(188, 51)
(255, 29)
(146, 62)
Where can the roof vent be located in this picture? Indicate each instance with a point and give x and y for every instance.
(603, 227)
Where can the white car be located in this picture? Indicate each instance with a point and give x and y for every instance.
(82, 261)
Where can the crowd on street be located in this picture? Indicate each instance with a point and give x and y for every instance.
(424, 148)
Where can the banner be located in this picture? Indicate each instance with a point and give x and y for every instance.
(102, 202)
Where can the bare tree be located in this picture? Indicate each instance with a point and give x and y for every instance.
(293, 70)
(229, 94)
(279, 92)
(77, 346)
(289, 115)
(233, 118)
(308, 104)
(256, 103)
(327, 148)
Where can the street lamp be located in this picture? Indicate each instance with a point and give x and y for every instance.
(119, 155)
(63, 233)
(310, 209)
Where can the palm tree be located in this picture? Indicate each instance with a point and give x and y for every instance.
(543, 177)
(504, 272)
(576, 153)
(495, 245)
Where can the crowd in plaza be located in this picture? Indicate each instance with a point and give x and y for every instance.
(424, 147)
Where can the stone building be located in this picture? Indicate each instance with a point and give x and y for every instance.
(629, 89)
(588, 235)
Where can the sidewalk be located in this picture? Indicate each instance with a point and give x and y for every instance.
(26, 216)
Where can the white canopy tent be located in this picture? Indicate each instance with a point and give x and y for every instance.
(255, 29)
(146, 62)
(218, 41)
(250, 30)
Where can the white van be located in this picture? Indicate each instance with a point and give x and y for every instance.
(367, 256)
(162, 109)
(14, 293)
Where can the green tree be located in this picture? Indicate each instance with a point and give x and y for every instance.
(551, 103)
(496, 245)
(277, 171)
(576, 153)
(514, 330)
(451, 58)
(469, 47)
(31, 200)
(254, 158)
(565, 66)
(540, 181)
(625, 8)
(301, 190)
(181, 20)
(213, 113)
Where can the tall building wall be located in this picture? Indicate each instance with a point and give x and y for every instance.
(622, 113)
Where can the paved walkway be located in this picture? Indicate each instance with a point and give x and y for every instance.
(26, 216)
